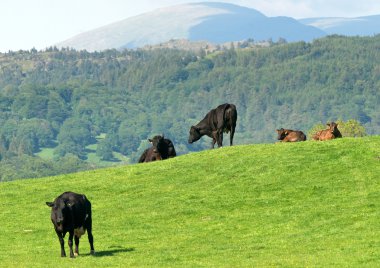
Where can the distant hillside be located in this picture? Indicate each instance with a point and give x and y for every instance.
(212, 22)
(67, 105)
(360, 26)
(310, 204)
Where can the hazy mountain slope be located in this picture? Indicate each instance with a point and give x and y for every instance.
(214, 22)
(361, 26)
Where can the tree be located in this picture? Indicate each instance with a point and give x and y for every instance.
(74, 136)
(104, 150)
(351, 128)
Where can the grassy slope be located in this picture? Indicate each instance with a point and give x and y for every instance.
(304, 204)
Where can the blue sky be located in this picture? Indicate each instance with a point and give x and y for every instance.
(25, 24)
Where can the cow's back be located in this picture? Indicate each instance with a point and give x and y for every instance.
(294, 136)
(223, 117)
(326, 135)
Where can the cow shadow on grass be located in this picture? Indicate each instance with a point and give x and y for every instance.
(110, 252)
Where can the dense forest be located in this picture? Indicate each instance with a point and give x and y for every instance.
(58, 106)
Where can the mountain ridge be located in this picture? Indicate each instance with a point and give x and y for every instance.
(213, 22)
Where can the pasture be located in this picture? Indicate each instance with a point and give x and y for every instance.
(287, 204)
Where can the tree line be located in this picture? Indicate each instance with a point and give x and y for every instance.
(64, 99)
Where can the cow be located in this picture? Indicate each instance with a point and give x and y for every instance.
(71, 213)
(161, 149)
(221, 119)
(289, 135)
(328, 134)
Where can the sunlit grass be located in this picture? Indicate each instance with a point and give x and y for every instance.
(311, 204)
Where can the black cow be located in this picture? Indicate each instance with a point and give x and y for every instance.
(221, 119)
(161, 149)
(71, 212)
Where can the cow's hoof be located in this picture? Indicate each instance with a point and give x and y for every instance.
(76, 254)
(92, 252)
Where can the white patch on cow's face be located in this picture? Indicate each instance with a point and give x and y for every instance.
(79, 232)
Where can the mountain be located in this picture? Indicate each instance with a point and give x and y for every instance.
(361, 26)
(213, 22)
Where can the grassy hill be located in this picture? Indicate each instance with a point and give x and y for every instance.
(290, 205)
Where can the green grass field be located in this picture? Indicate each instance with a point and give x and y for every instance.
(92, 158)
(311, 204)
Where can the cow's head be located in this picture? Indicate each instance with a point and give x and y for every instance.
(332, 126)
(282, 133)
(194, 134)
(158, 143)
(59, 210)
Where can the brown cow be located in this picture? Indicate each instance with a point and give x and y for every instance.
(328, 134)
(289, 135)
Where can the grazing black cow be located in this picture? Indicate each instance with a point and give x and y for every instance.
(289, 135)
(161, 149)
(71, 212)
(221, 119)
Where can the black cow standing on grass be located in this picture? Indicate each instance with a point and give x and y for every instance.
(221, 119)
(71, 213)
(161, 149)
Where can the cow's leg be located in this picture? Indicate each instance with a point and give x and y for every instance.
(90, 239)
(213, 143)
(232, 135)
(214, 139)
(220, 138)
(61, 242)
(71, 244)
(76, 252)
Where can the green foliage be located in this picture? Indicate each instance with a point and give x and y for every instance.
(304, 204)
(351, 128)
(133, 95)
(315, 129)
(104, 150)
(25, 166)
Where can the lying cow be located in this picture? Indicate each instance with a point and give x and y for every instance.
(221, 119)
(161, 149)
(288, 135)
(71, 213)
(328, 134)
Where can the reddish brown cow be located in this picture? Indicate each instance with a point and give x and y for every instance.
(289, 135)
(328, 134)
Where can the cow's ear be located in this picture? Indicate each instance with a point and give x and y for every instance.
(163, 135)
(50, 204)
(150, 140)
(328, 124)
